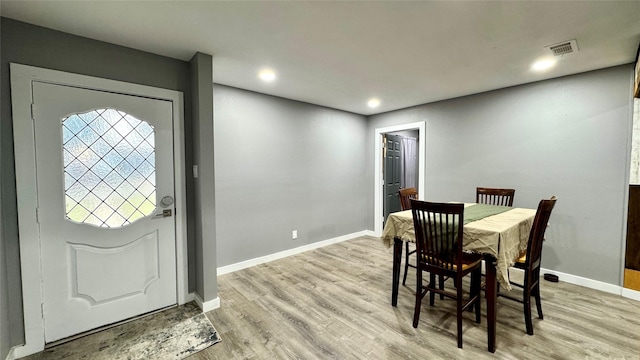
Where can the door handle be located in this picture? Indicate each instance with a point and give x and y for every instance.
(164, 214)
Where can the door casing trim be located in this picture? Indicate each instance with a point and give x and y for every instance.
(22, 77)
(377, 168)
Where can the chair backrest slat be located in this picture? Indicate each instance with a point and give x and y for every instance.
(494, 196)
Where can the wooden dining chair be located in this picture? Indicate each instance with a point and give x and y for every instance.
(438, 229)
(406, 194)
(530, 263)
(494, 196)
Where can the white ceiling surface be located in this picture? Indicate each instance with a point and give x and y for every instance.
(340, 54)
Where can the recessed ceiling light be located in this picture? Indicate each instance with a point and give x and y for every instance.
(373, 103)
(543, 64)
(267, 75)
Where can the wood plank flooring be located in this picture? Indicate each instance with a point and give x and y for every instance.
(335, 303)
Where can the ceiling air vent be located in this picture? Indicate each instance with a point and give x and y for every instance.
(563, 48)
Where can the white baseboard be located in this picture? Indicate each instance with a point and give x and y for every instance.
(11, 355)
(21, 351)
(631, 294)
(582, 281)
(594, 284)
(279, 255)
(369, 233)
(206, 306)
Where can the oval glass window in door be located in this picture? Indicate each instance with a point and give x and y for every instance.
(109, 168)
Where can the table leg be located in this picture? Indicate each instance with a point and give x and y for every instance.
(397, 257)
(492, 296)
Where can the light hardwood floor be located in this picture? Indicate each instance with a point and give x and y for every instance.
(335, 303)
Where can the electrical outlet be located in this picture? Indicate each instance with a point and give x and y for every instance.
(294, 234)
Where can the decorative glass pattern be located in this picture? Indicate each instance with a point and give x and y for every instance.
(109, 168)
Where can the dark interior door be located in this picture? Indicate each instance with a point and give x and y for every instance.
(392, 161)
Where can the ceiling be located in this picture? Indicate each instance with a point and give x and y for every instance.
(341, 54)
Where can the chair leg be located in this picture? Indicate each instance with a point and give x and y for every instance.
(536, 293)
(476, 278)
(406, 262)
(471, 290)
(459, 310)
(538, 302)
(527, 317)
(441, 285)
(416, 311)
(526, 302)
(432, 283)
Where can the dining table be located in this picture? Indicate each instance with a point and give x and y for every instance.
(499, 233)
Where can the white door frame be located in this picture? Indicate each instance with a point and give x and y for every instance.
(378, 181)
(24, 145)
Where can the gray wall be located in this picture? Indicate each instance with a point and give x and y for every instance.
(283, 165)
(5, 335)
(204, 214)
(27, 44)
(567, 137)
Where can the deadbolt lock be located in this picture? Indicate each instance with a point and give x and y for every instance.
(165, 213)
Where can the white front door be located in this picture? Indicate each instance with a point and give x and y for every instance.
(105, 188)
